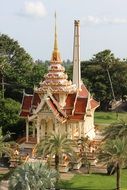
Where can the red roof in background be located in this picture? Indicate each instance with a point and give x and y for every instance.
(36, 100)
(84, 92)
(26, 105)
(70, 100)
(27, 99)
(80, 106)
(24, 114)
(94, 103)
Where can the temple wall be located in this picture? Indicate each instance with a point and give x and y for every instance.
(89, 128)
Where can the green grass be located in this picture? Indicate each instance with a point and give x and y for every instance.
(109, 117)
(94, 182)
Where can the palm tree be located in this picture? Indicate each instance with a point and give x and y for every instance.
(84, 145)
(118, 129)
(32, 176)
(114, 151)
(56, 145)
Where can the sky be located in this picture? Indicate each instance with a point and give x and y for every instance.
(31, 23)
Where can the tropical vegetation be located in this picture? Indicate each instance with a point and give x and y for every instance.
(114, 152)
(32, 176)
(56, 145)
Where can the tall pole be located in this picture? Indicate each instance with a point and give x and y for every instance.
(76, 55)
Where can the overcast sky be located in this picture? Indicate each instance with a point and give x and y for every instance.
(31, 23)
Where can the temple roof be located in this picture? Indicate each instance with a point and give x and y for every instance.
(75, 108)
(26, 105)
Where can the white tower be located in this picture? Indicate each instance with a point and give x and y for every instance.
(76, 55)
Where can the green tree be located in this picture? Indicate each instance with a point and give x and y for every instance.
(118, 129)
(56, 145)
(3, 71)
(106, 59)
(20, 66)
(32, 176)
(9, 117)
(5, 145)
(106, 77)
(114, 152)
(38, 72)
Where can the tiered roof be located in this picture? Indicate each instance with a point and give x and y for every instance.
(56, 78)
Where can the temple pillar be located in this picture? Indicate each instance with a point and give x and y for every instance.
(38, 131)
(27, 131)
(43, 129)
(72, 125)
(70, 130)
(79, 130)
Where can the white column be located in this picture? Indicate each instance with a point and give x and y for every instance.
(70, 131)
(72, 126)
(79, 130)
(38, 131)
(27, 131)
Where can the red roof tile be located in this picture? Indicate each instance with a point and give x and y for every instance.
(70, 101)
(94, 103)
(36, 100)
(24, 114)
(84, 92)
(80, 106)
(26, 104)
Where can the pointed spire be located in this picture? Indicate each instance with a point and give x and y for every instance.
(55, 55)
(55, 40)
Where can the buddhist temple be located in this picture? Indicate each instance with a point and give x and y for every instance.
(58, 104)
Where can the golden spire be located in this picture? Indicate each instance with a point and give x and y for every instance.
(56, 55)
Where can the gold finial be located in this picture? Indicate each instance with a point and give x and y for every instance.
(55, 42)
(55, 54)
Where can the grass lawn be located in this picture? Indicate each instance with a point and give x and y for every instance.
(94, 182)
(109, 117)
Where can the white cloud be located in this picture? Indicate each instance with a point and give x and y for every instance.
(34, 9)
(94, 20)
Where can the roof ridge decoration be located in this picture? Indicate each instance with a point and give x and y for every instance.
(59, 107)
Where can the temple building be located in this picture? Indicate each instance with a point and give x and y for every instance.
(58, 104)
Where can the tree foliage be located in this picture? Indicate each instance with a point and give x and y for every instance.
(20, 72)
(9, 117)
(32, 176)
(105, 74)
(114, 152)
